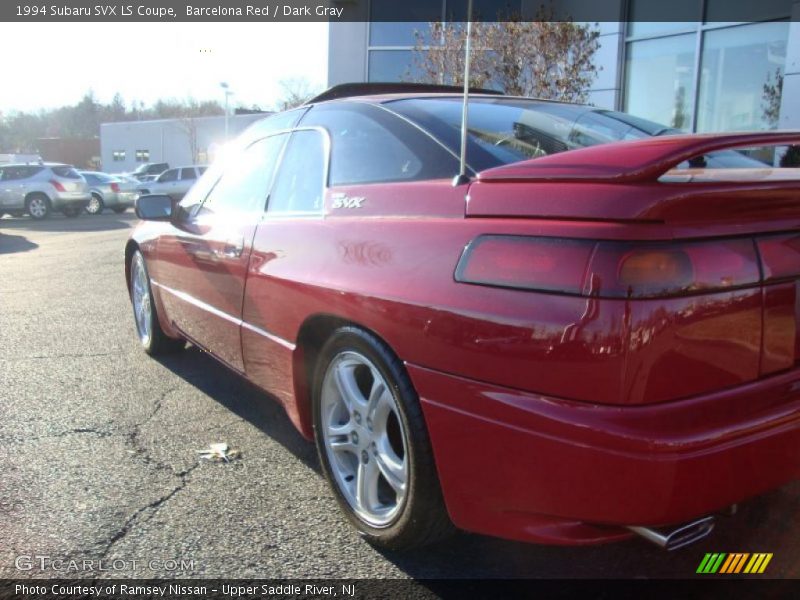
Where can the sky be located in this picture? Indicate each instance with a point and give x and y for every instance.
(47, 65)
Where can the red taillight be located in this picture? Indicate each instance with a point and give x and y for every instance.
(547, 264)
(647, 270)
(609, 269)
(780, 256)
(57, 185)
(115, 187)
(655, 270)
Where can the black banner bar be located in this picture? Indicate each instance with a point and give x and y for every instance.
(360, 589)
(388, 10)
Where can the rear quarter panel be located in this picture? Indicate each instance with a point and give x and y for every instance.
(389, 266)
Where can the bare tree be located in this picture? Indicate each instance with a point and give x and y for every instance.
(544, 59)
(188, 125)
(771, 95)
(296, 91)
(439, 55)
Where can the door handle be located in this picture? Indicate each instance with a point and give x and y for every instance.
(231, 248)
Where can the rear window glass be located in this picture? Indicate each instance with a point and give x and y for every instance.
(66, 172)
(501, 131)
(508, 130)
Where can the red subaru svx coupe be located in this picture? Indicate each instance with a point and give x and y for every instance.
(579, 342)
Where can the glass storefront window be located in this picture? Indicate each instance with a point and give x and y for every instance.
(650, 17)
(659, 80)
(390, 65)
(657, 28)
(737, 63)
(397, 33)
(456, 10)
(384, 31)
(746, 10)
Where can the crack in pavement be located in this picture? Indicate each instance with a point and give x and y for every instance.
(151, 507)
(134, 436)
(59, 434)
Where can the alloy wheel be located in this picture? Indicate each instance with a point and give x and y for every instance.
(142, 308)
(37, 208)
(94, 207)
(365, 439)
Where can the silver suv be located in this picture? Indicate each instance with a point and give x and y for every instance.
(173, 182)
(39, 189)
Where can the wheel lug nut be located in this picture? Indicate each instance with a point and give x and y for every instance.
(354, 437)
(357, 417)
(364, 457)
(369, 422)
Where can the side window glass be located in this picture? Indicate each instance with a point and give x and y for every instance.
(13, 173)
(167, 176)
(246, 178)
(371, 145)
(188, 173)
(300, 179)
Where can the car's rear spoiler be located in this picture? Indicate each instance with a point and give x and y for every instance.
(635, 161)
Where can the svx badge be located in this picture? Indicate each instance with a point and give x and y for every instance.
(341, 200)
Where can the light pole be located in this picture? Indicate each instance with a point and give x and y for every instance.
(228, 92)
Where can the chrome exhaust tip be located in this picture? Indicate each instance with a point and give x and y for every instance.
(683, 535)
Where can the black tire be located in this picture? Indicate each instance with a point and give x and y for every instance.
(38, 206)
(423, 518)
(119, 209)
(95, 206)
(156, 342)
(71, 212)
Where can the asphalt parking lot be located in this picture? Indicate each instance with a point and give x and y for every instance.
(99, 452)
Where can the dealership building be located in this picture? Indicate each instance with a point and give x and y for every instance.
(695, 75)
(126, 145)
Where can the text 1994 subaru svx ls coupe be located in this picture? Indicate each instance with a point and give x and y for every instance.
(582, 341)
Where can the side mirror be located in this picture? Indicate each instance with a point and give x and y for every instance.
(154, 207)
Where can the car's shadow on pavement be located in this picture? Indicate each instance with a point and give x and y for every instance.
(759, 526)
(59, 223)
(15, 243)
(241, 398)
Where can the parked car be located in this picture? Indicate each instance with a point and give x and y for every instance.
(567, 346)
(39, 189)
(109, 191)
(148, 171)
(173, 182)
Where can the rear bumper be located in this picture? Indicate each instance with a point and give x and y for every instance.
(64, 200)
(126, 199)
(527, 467)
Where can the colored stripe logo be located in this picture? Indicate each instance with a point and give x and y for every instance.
(734, 563)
